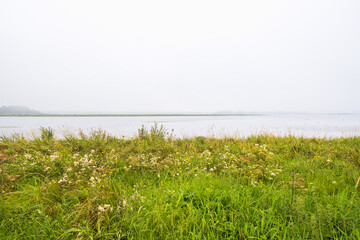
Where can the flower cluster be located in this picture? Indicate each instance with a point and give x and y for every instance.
(104, 208)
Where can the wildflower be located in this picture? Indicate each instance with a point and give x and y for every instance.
(106, 207)
(206, 152)
(27, 156)
(53, 157)
(334, 182)
(101, 209)
(328, 160)
(62, 180)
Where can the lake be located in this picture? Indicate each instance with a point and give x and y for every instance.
(340, 125)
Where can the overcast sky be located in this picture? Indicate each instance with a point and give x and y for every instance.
(181, 56)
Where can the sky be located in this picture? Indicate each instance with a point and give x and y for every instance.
(180, 56)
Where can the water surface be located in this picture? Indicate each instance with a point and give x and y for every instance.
(188, 126)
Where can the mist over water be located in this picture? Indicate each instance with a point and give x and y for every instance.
(180, 56)
(189, 126)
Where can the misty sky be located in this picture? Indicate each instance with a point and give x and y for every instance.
(181, 56)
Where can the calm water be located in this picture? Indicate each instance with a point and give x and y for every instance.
(219, 126)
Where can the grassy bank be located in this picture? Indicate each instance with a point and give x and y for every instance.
(158, 187)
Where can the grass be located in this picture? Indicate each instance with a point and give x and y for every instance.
(155, 186)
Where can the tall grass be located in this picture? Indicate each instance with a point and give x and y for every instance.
(155, 186)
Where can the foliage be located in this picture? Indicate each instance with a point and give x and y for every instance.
(47, 134)
(155, 186)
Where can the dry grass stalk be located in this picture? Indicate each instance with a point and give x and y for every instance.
(357, 184)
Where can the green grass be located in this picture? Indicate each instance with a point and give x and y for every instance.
(157, 187)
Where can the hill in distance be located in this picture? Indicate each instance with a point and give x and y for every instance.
(17, 110)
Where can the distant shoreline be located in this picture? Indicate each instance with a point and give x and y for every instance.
(175, 115)
(130, 115)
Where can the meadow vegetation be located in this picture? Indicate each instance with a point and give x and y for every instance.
(156, 186)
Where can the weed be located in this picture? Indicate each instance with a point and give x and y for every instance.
(47, 134)
(155, 186)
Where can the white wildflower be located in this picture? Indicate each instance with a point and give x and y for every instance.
(101, 209)
(53, 157)
(124, 203)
